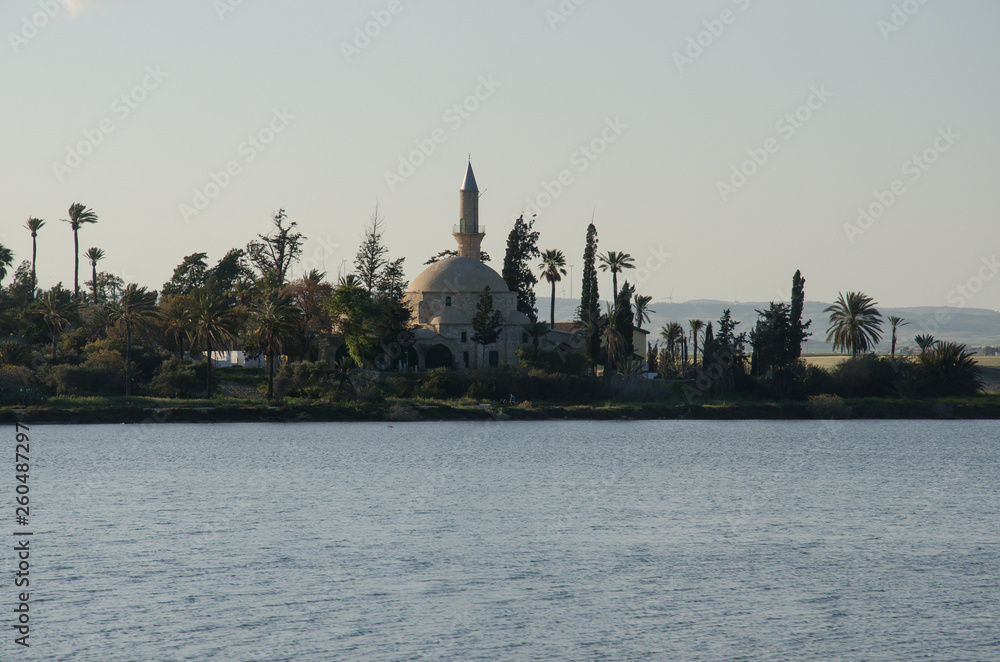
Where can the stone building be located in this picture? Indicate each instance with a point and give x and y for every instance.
(444, 297)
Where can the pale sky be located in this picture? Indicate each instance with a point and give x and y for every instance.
(183, 85)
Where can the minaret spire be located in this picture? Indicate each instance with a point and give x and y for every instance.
(468, 234)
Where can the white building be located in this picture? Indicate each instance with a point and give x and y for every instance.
(444, 297)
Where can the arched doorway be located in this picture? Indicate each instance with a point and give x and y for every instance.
(341, 354)
(438, 356)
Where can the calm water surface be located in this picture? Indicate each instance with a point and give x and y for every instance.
(516, 541)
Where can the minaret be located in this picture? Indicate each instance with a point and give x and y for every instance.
(468, 233)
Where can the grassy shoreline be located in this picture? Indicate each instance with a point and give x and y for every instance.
(148, 410)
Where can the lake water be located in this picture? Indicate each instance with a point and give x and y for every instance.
(515, 541)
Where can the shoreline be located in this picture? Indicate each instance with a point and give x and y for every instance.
(864, 409)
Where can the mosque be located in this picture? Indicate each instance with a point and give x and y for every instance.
(444, 297)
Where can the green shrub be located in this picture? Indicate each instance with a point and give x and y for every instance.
(303, 379)
(175, 379)
(867, 376)
(441, 383)
(14, 353)
(495, 384)
(570, 363)
(82, 380)
(949, 369)
(401, 386)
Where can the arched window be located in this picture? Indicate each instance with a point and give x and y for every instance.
(447, 302)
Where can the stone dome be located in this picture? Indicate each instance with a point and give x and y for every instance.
(449, 315)
(457, 275)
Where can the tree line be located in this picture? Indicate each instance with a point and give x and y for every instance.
(107, 332)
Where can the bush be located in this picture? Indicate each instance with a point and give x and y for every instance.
(110, 360)
(441, 383)
(82, 380)
(175, 379)
(15, 387)
(868, 376)
(14, 353)
(401, 386)
(570, 363)
(303, 379)
(495, 384)
(949, 369)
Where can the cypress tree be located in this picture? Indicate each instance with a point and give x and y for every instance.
(522, 248)
(625, 320)
(797, 330)
(708, 346)
(590, 310)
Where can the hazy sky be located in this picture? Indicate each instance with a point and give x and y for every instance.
(643, 109)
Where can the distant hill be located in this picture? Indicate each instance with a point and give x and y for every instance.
(973, 326)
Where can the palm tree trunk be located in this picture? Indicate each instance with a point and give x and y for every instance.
(894, 344)
(694, 346)
(53, 345)
(270, 375)
(552, 324)
(614, 284)
(208, 371)
(76, 264)
(128, 358)
(34, 278)
(94, 265)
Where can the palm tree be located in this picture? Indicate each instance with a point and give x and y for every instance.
(213, 324)
(614, 341)
(855, 323)
(672, 334)
(34, 225)
(57, 313)
(95, 255)
(896, 323)
(642, 309)
(616, 263)
(136, 311)
(6, 260)
(175, 315)
(536, 330)
(696, 326)
(271, 327)
(552, 266)
(924, 342)
(951, 369)
(78, 215)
